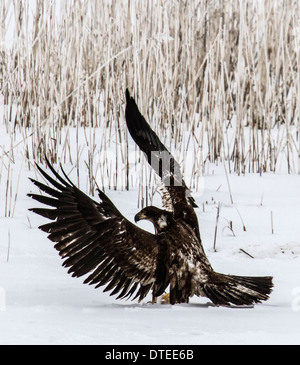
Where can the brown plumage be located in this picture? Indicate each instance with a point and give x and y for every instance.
(96, 240)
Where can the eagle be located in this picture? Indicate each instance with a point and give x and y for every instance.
(97, 241)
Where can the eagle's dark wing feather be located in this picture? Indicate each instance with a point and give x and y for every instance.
(96, 239)
(155, 150)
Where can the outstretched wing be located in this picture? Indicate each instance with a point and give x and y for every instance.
(158, 156)
(176, 195)
(96, 239)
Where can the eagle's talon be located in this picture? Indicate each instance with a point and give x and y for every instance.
(165, 298)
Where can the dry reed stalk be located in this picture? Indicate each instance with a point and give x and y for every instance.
(216, 226)
(219, 78)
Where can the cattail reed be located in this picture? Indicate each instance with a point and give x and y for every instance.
(219, 79)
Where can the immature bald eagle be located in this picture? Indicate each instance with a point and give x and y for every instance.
(94, 238)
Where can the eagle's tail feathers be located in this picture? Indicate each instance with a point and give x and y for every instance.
(238, 290)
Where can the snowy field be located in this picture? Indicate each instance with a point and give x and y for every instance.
(41, 304)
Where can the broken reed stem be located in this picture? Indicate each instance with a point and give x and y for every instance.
(246, 253)
(272, 223)
(244, 227)
(8, 246)
(17, 188)
(228, 183)
(216, 226)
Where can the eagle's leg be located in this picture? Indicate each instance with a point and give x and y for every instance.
(156, 300)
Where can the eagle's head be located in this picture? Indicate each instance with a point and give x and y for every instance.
(160, 218)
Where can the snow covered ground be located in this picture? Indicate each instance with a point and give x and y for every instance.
(41, 304)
